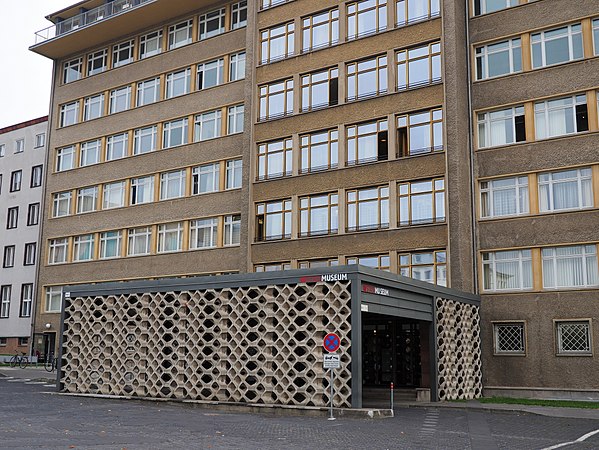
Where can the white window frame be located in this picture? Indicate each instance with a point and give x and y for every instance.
(83, 195)
(234, 174)
(209, 172)
(208, 223)
(588, 257)
(151, 85)
(205, 19)
(74, 66)
(126, 46)
(543, 110)
(58, 200)
(180, 34)
(117, 141)
(488, 189)
(113, 195)
(231, 236)
(167, 230)
(238, 12)
(5, 297)
(53, 302)
(30, 254)
(237, 66)
(93, 107)
(26, 300)
(20, 145)
(235, 119)
(105, 238)
(483, 6)
(546, 181)
(216, 65)
(90, 153)
(153, 39)
(69, 114)
(40, 140)
(140, 135)
(141, 234)
(175, 180)
(177, 80)
(484, 52)
(208, 125)
(560, 326)
(169, 127)
(93, 58)
(489, 259)
(83, 248)
(542, 39)
(120, 99)
(147, 185)
(486, 120)
(519, 327)
(58, 250)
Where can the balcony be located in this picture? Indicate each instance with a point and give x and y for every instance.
(87, 19)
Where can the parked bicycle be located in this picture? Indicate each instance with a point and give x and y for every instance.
(21, 360)
(50, 363)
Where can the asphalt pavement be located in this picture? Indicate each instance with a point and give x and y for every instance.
(35, 416)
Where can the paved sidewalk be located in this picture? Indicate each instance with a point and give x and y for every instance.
(549, 411)
(32, 373)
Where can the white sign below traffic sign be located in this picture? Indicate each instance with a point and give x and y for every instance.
(331, 361)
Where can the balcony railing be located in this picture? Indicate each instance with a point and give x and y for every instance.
(88, 18)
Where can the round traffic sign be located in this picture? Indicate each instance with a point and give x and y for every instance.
(331, 342)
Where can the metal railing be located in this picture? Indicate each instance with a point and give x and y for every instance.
(88, 18)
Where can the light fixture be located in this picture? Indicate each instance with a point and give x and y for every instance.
(48, 326)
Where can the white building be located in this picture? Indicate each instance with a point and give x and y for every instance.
(22, 156)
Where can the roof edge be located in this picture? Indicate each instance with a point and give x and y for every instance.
(25, 124)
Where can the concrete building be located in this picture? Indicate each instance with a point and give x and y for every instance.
(22, 159)
(204, 138)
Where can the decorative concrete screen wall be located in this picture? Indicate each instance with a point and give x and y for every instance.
(248, 344)
(458, 350)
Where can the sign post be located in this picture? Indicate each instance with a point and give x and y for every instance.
(331, 361)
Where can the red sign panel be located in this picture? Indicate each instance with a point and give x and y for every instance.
(331, 342)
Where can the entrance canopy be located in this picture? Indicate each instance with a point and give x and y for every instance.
(256, 338)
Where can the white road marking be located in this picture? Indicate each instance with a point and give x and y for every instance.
(577, 441)
(17, 380)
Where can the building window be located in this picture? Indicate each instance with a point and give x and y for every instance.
(172, 184)
(489, 6)
(110, 244)
(366, 17)
(319, 151)
(122, 53)
(203, 233)
(174, 133)
(237, 67)
(557, 46)
(53, 299)
(504, 197)
(139, 241)
(150, 44)
(272, 267)
(87, 199)
(367, 142)
(9, 257)
(380, 262)
(573, 337)
(69, 114)
(277, 43)
(566, 189)
(206, 178)
(19, 145)
(273, 220)
(170, 237)
(144, 140)
(179, 34)
(212, 24)
(276, 100)
(36, 176)
(12, 218)
(142, 190)
(561, 116)
(420, 133)
(120, 99)
(93, 107)
(90, 153)
(26, 301)
(148, 91)
(65, 158)
(57, 250)
(208, 125)
(113, 195)
(72, 70)
(40, 140)
(570, 267)
(30, 254)
(83, 247)
(235, 119)
(320, 89)
(117, 146)
(368, 209)
(366, 78)
(320, 30)
(270, 3)
(5, 294)
(210, 74)
(61, 204)
(239, 15)
(507, 270)
(509, 338)
(234, 174)
(319, 215)
(419, 66)
(232, 235)
(430, 267)
(2, 150)
(318, 263)
(596, 35)
(501, 58)
(275, 159)
(501, 127)
(412, 11)
(96, 62)
(33, 214)
(178, 83)
(422, 202)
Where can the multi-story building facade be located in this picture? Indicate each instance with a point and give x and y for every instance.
(536, 167)
(197, 138)
(22, 159)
